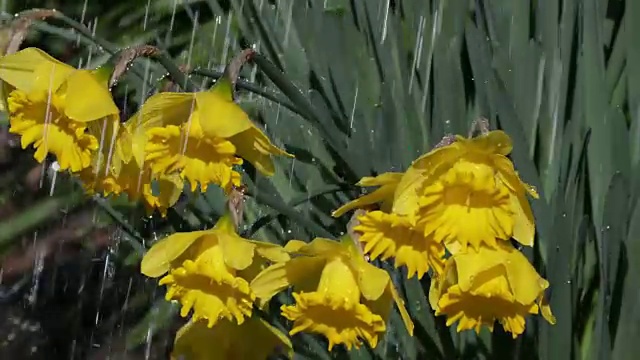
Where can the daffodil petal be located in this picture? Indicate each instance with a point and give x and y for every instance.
(424, 170)
(158, 259)
(238, 252)
(97, 101)
(20, 69)
(404, 314)
(388, 183)
(297, 272)
(496, 141)
(294, 245)
(254, 146)
(271, 252)
(524, 228)
(471, 264)
(221, 117)
(371, 280)
(226, 340)
(387, 178)
(321, 247)
(545, 309)
(162, 109)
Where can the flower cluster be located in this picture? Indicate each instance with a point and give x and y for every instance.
(220, 278)
(452, 216)
(174, 137)
(453, 213)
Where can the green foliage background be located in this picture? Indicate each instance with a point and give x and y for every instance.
(367, 87)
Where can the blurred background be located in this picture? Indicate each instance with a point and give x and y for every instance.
(383, 81)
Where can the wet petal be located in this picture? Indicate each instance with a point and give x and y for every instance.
(271, 252)
(319, 247)
(294, 245)
(495, 142)
(404, 314)
(254, 146)
(422, 172)
(388, 178)
(158, 259)
(226, 340)
(87, 98)
(221, 117)
(387, 181)
(371, 280)
(238, 252)
(22, 69)
(298, 272)
(162, 109)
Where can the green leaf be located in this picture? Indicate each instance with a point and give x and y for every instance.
(609, 245)
(46, 210)
(628, 329)
(157, 319)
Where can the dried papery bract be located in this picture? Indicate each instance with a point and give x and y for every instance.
(235, 204)
(353, 234)
(20, 26)
(123, 59)
(232, 71)
(126, 58)
(480, 125)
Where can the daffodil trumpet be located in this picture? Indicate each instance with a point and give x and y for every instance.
(337, 293)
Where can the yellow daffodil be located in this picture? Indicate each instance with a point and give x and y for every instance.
(51, 103)
(468, 192)
(228, 340)
(467, 205)
(202, 136)
(209, 271)
(337, 292)
(389, 235)
(118, 168)
(488, 285)
(383, 195)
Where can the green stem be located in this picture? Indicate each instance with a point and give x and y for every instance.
(125, 57)
(174, 71)
(286, 86)
(289, 212)
(86, 32)
(265, 220)
(119, 219)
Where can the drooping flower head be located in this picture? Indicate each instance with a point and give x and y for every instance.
(337, 292)
(486, 285)
(468, 193)
(202, 136)
(209, 271)
(387, 235)
(228, 340)
(50, 104)
(119, 168)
